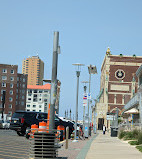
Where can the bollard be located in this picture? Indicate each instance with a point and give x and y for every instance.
(67, 137)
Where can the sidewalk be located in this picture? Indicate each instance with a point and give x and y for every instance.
(106, 147)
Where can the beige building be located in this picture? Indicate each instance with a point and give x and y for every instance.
(118, 85)
(34, 68)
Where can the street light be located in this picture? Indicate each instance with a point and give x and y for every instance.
(92, 70)
(76, 115)
(84, 104)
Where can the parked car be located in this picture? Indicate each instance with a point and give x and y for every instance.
(4, 124)
(22, 120)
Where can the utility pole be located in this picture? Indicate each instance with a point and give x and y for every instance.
(70, 114)
(3, 103)
(54, 81)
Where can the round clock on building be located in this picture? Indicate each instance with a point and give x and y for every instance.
(119, 74)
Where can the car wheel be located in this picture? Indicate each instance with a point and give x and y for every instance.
(20, 133)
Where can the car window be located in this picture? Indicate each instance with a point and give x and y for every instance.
(18, 115)
(42, 116)
(30, 115)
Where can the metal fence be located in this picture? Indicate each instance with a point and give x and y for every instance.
(129, 126)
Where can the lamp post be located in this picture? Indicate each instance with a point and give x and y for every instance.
(76, 114)
(84, 104)
(92, 70)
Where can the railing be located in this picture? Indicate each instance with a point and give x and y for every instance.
(133, 102)
(129, 126)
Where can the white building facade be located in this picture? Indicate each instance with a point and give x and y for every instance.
(38, 98)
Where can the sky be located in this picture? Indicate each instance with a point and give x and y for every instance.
(86, 29)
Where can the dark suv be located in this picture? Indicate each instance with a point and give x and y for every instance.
(21, 120)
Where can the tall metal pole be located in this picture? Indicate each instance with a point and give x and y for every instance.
(84, 110)
(76, 115)
(3, 102)
(54, 81)
(89, 100)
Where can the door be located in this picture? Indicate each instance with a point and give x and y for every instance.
(100, 123)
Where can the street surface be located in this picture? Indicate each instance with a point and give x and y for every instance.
(13, 146)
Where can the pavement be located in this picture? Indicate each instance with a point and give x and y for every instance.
(97, 146)
(106, 147)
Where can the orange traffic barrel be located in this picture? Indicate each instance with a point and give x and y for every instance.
(61, 132)
(42, 126)
(34, 128)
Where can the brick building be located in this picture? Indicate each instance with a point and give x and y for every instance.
(9, 84)
(118, 84)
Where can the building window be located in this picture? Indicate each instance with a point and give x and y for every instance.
(24, 80)
(34, 106)
(28, 105)
(45, 100)
(2, 91)
(29, 91)
(16, 103)
(40, 91)
(29, 94)
(35, 95)
(4, 70)
(34, 110)
(35, 91)
(35, 100)
(45, 95)
(45, 104)
(22, 103)
(12, 71)
(40, 106)
(16, 96)
(10, 92)
(3, 84)
(23, 91)
(29, 98)
(17, 84)
(28, 110)
(4, 77)
(1, 98)
(17, 78)
(39, 110)
(11, 85)
(46, 91)
(10, 105)
(23, 97)
(11, 78)
(23, 85)
(10, 99)
(9, 113)
(39, 99)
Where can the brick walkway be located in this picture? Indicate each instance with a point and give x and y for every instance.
(75, 149)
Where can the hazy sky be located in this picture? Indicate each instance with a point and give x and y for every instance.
(86, 28)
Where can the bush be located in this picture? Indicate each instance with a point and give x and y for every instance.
(140, 138)
(122, 133)
(139, 148)
(133, 142)
(135, 133)
(129, 135)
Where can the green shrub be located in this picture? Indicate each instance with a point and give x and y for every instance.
(133, 142)
(122, 133)
(140, 138)
(139, 148)
(129, 136)
(135, 133)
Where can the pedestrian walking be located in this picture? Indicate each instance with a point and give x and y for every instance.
(104, 129)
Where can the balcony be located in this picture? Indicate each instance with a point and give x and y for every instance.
(132, 103)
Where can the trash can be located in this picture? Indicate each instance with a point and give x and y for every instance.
(90, 130)
(114, 132)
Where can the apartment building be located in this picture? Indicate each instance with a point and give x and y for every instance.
(34, 68)
(38, 98)
(8, 83)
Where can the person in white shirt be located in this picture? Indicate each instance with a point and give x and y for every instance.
(104, 129)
